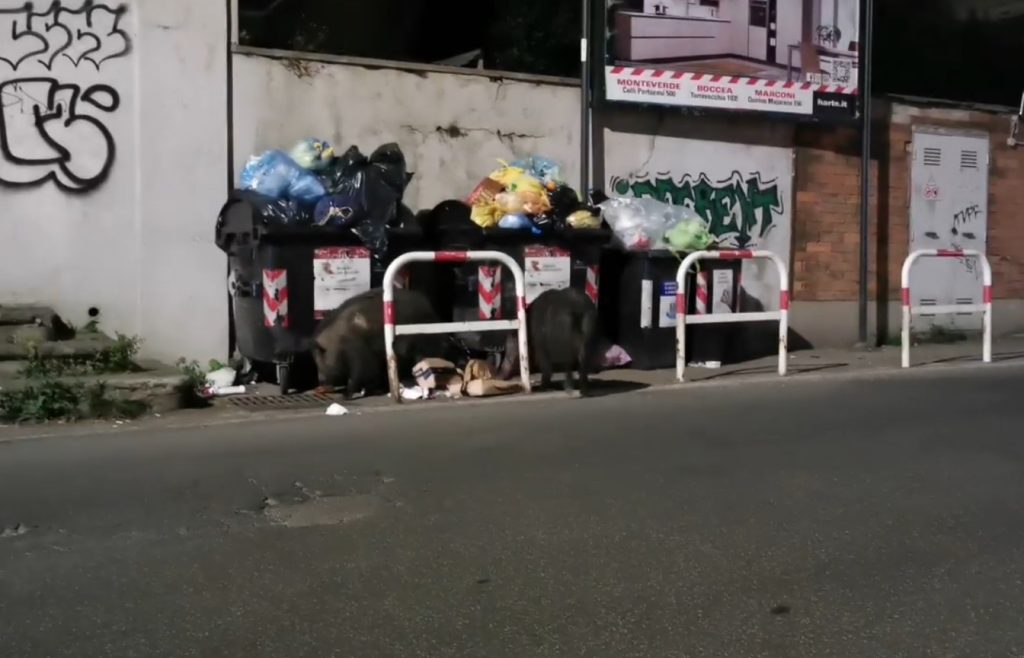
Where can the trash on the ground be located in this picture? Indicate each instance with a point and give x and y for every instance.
(222, 391)
(413, 393)
(616, 357)
(438, 374)
(221, 378)
(711, 365)
(336, 410)
(481, 388)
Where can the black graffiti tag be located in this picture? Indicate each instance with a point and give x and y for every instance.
(91, 33)
(965, 217)
(44, 135)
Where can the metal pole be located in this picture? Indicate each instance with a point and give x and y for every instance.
(865, 169)
(585, 101)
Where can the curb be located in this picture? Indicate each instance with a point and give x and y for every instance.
(200, 420)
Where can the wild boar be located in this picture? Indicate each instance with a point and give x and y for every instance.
(348, 344)
(563, 335)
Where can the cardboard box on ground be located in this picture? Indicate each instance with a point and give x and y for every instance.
(477, 379)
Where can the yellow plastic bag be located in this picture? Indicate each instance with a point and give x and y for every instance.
(584, 219)
(515, 179)
(486, 215)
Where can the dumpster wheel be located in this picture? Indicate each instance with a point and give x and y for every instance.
(284, 377)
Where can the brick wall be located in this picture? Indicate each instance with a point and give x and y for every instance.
(827, 213)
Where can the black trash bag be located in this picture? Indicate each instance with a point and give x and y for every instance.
(564, 202)
(390, 160)
(343, 174)
(371, 190)
(597, 197)
(278, 212)
(550, 224)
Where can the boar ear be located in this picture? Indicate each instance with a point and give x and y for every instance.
(359, 320)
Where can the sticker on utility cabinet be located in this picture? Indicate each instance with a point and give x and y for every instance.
(931, 190)
(339, 273)
(722, 289)
(547, 268)
(667, 304)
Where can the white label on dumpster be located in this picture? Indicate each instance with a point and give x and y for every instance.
(667, 304)
(547, 268)
(722, 290)
(339, 273)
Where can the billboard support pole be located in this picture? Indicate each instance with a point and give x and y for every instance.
(867, 32)
(585, 100)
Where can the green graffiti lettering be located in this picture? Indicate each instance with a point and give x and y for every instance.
(738, 212)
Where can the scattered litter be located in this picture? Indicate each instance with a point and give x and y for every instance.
(229, 390)
(16, 530)
(616, 357)
(711, 365)
(336, 410)
(413, 393)
(223, 378)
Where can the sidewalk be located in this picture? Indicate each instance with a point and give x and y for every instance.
(824, 363)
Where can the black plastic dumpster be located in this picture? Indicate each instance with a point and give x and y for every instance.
(638, 304)
(484, 291)
(283, 279)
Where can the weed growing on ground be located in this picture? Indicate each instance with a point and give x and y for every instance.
(117, 358)
(51, 399)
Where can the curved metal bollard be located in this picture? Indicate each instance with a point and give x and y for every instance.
(682, 319)
(985, 307)
(391, 330)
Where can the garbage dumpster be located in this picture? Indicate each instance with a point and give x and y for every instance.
(474, 291)
(638, 304)
(283, 279)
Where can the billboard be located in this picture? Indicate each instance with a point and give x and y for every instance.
(793, 57)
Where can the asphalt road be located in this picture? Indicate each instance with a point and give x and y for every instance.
(816, 518)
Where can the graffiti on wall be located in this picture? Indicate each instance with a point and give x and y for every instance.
(90, 34)
(739, 210)
(53, 126)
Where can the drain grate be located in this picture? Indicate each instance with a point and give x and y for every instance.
(296, 401)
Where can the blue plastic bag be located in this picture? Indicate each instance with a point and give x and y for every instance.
(518, 222)
(276, 175)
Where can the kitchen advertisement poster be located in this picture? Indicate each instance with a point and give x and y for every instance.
(795, 57)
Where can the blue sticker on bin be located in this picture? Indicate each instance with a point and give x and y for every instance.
(669, 288)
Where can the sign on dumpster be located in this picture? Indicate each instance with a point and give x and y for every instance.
(547, 268)
(339, 273)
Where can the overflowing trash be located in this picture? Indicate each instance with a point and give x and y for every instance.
(314, 186)
(530, 195)
(646, 224)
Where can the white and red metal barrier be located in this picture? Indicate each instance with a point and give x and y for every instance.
(683, 319)
(391, 330)
(985, 307)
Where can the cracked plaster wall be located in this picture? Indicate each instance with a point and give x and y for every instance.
(453, 128)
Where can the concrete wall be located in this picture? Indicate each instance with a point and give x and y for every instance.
(452, 127)
(112, 166)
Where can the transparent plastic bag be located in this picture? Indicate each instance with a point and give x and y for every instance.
(687, 231)
(639, 224)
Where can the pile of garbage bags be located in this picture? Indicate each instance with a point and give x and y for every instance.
(314, 186)
(646, 224)
(529, 195)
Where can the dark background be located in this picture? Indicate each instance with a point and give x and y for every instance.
(921, 48)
